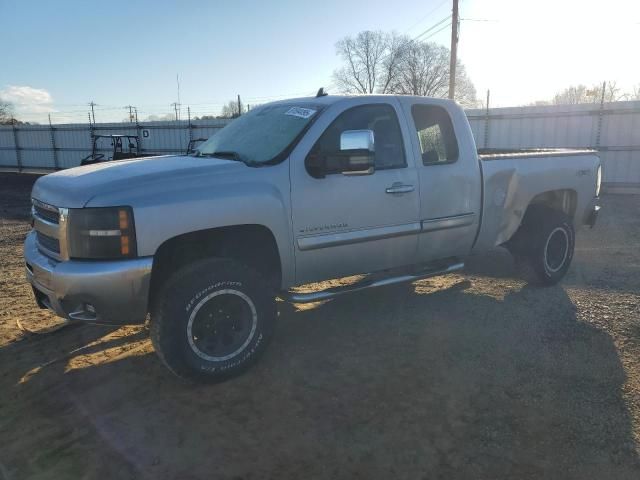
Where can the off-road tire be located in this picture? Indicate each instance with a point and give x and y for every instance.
(543, 246)
(186, 294)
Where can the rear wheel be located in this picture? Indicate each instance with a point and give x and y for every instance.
(212, 320)
(544, 245)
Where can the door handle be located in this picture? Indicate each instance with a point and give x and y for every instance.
(400, 188)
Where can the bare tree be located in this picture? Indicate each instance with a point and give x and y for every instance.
(465, 93)
(370, 61)
(576, 94)
(612, 93)
(230, 110)
(424, 70)
(397, 46)
(379, 62)
(6, 112)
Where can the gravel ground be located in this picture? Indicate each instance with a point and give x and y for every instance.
(477, 375)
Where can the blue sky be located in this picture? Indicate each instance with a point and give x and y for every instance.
(59, 55)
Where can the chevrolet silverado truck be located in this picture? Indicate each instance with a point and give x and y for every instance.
(291, 193)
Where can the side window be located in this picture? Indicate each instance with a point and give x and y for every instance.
(381, 119)
(436, 137)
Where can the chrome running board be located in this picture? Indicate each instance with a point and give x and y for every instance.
(295, 297)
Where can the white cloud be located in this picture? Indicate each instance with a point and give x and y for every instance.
(27, 99)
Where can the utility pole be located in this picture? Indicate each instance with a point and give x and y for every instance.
(93, 115)
(131, 117)
(175, 108)
(454, 50)
(239, 106)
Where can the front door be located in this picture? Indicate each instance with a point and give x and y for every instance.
(348, 224)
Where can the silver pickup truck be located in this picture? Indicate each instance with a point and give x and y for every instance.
(291, 193)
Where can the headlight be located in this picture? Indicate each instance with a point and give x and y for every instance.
(101, 233)
(598, 180)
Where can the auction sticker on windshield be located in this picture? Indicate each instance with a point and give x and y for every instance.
(300, 112)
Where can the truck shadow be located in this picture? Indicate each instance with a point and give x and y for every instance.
(414, 381)
(595, 268)
(605, 256)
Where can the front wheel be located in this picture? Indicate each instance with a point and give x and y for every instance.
(213, 319)
(545, 244)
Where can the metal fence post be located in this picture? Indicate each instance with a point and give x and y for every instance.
(90, 133)
(600, 115)
(139, 133)
(53, 145)
(190, 129)
(15, 143)
(486, 122)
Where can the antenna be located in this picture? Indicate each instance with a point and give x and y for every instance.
(321, 93)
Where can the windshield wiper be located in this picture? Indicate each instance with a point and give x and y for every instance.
(230, 155)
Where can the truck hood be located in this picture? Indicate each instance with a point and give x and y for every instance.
(75, 187)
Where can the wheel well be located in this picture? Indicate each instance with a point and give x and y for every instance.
(253, 245)
(562, 200)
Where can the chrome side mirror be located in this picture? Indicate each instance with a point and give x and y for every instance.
(358, 150)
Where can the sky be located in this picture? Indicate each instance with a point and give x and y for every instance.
(57, 56)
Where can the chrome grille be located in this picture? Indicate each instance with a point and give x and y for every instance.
(46, 214)
(50, 225)
(48, 243)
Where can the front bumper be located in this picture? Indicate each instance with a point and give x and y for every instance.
(106, 292)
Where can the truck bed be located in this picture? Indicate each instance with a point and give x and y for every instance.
(511, 153)
(511, 184)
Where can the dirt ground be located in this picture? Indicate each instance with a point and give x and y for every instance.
(476, 376)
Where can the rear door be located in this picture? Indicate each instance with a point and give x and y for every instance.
(347, 224)
(449, 175)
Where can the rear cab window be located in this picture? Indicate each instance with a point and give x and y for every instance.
(436, 137)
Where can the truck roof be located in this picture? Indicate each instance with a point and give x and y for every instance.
(331, 99)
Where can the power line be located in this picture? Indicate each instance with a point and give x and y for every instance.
(444, 27)
(478, 20)
(432, 27)
(427, 15)
(149, 107)
(174, 109)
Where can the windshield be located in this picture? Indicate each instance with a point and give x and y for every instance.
(262, 134)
